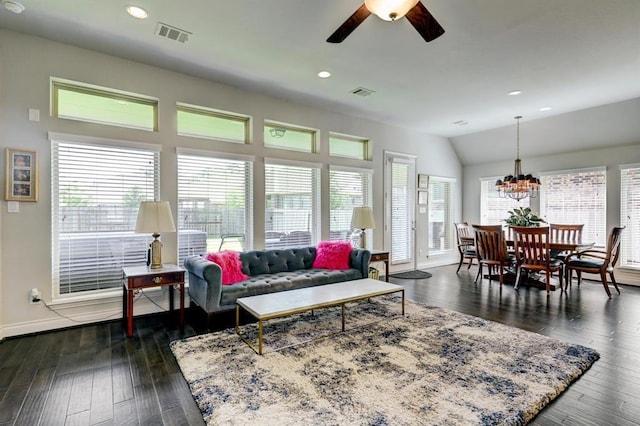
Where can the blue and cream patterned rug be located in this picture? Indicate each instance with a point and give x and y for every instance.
(432, 366)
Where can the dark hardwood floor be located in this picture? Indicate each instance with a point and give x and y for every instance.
(94, 375)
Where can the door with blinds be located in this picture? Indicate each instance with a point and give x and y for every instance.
(400, 209)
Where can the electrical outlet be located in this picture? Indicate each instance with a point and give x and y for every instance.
(34, 296)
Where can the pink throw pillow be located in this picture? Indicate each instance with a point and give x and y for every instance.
(229, 262)
(332, 255)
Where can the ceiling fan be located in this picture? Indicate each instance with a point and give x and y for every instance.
(391, 10)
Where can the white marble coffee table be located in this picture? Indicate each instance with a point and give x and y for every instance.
(284, 303)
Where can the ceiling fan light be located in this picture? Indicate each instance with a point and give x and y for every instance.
(390, 10)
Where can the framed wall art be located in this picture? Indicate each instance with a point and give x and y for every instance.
(423, 181)
(423, 197)
(21, 175)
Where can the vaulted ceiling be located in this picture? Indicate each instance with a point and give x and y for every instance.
(568, 55)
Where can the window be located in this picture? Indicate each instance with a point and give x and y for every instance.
(441, 230)
(292, 201)
(493, 208)
(348, 188)
(208, 123)
(215, 210)
(574, 197)
(349, 147)
(289, 137)
(630, 215)
(97, 188)
(95, 104)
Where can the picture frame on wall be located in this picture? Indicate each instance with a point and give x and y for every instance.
(423, 181)
(21, 175)
(423, 197)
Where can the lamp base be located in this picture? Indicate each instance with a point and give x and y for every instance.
(156, 253)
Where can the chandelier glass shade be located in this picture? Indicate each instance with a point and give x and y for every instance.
(518, 185)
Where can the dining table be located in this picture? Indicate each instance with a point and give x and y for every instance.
(537, 280)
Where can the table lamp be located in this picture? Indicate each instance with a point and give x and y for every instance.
(362, 218)
(155, 217)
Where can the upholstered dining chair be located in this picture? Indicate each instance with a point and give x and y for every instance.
(595, 261)
(492, 250)
(466, 244)
(533, 254)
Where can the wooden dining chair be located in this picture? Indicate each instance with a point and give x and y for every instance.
(562, 232)
(466, 244)
(492, 250)
(595, 261)
(533, 254)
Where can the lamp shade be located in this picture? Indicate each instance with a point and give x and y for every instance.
(362, 218)
(154, 217)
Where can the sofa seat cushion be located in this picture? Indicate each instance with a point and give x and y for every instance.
(282, 281)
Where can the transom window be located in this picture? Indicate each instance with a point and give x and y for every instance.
(286, 136)
(76, 101)
(349, 147)
(577, 197)
(212, 124)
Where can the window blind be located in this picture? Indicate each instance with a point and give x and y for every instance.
(215, 209)
(630, 215)
(576, 197)
(493, 208)
(348, 188)
(292, 201)
(440, 214)
(402, 244)
(96, 192)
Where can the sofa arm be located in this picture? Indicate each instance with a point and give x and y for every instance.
(205, 282)
(360, 259)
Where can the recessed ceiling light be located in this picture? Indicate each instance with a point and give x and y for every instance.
(515, 92)
(324, 74)
(545, 108)
(13, 6)
(137, 12)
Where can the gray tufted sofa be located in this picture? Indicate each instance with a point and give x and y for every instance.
(269, 271)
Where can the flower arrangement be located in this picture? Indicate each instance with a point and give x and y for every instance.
(523, 217)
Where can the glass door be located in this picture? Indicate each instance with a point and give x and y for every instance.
(400, 209)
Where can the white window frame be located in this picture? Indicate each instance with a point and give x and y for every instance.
(123, 238)
(284, 127)
(121, 98)
(447, 222)
(363, 145)
(595, 232)
(630, 217)
(243, 243)
(345, 216)
(314, 224)
(244, 120)
(487, 186)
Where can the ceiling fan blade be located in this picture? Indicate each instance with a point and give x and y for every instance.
(349, 25)
(424, 22)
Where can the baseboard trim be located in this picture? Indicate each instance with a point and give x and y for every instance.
(142, 307)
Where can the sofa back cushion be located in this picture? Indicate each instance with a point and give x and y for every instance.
(258, 262)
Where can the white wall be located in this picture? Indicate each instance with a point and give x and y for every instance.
(27, 63)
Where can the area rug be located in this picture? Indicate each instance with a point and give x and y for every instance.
(412, 275)
(431, 366)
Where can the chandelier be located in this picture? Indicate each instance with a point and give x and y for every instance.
(518, 185)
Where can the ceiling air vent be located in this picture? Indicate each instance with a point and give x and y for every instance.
(361, 91)
(172, 33)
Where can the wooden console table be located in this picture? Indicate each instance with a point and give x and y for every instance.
(136, 278)
(381, 256)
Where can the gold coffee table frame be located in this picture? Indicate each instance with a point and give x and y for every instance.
(285, 303)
